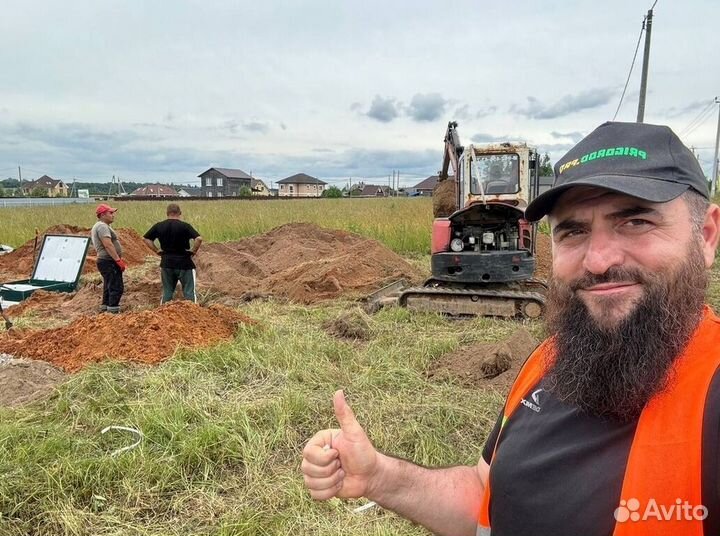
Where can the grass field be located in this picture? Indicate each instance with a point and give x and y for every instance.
(224, 427)
(402, 224)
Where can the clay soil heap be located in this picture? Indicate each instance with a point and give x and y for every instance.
(301, 262)
(145, 337)
(19, 264)
(543, 256)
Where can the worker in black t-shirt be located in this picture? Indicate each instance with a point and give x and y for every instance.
(176, 265)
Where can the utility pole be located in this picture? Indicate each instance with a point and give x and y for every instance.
(714, 179)
(647, 23)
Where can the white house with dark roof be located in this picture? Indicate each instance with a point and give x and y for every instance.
(223, 182)
(258, 187)
(190, 191)
(301, 185)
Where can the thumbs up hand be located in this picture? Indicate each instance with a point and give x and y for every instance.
(340, 462)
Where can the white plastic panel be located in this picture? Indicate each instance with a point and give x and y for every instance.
(18, 287)
(61, 258)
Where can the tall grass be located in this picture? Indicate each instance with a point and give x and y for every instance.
(402, 224)
(224, 429)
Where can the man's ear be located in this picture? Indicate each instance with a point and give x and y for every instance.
(711, 234)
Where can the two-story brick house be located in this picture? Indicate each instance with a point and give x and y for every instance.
(301, 185)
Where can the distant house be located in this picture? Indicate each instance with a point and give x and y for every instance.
(258, 187)
(426, 187)
(190, 191)
(155, 190)
(54, 187)
(372, 190)
(223, 182)
(301, 185)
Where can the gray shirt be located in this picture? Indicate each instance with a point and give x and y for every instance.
(100, 230)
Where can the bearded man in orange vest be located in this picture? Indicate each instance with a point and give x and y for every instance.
(613, 425)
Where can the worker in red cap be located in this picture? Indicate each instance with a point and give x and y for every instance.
(109, 258)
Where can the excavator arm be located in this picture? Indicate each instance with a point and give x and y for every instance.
(453, 152)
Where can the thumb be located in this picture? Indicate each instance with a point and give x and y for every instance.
(345, 416)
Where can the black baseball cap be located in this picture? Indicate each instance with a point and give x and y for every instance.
(644, 161)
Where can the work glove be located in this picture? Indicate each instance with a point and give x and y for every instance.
(122, 264)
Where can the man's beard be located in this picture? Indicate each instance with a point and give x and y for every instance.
(615, 371)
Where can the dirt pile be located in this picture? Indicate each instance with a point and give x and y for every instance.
(302, 262)
(351, 325)
(543, 256)
(19, 264)
(24, 380)
(444, 199)
(486, 364)
(146, 336)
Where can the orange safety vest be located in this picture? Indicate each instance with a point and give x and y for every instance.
(670, 424)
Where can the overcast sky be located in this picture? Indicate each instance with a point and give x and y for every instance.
(162, 90)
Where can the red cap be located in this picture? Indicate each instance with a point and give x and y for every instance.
(103, 208)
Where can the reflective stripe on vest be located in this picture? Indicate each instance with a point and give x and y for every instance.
(665, 460)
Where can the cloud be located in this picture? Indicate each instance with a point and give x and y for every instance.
(283, 126)
(593, 98)
(482, 137)
(484, 112)
(574, 136)
(427, 106)
(463, 112)
(355, 106)
(256, 126)
(383, 109)
(695, 107)
(87, 152)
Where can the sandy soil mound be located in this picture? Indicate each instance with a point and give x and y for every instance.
(487, 364)
(444, 199)
(19, 264)
(543, 256)
(302, 262)
(146, 336)
(24, 380)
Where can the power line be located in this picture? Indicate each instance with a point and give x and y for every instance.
(632, 65)
(693, 124)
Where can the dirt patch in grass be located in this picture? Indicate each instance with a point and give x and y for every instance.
(351, 325)
(492, 365)
(19, 264)
(25, 380)
(145, 336)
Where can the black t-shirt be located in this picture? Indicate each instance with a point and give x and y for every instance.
(174, 236)
(560, 472)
